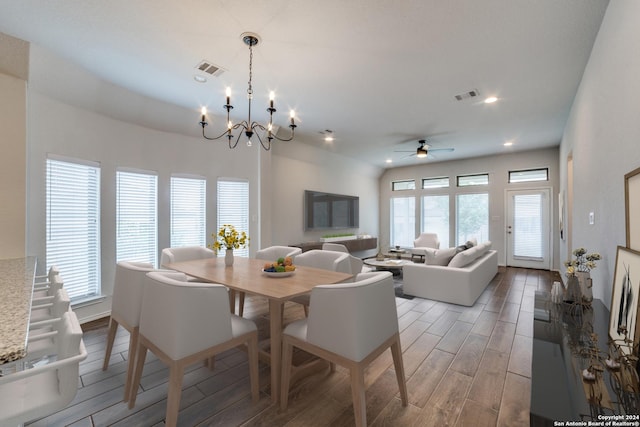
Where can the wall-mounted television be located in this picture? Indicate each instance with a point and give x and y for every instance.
(326, 211)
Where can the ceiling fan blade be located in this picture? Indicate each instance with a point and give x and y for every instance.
(442, 150)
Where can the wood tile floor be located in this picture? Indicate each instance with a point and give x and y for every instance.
(465, 366)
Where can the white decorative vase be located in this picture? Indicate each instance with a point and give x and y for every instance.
(228, 258)
(584, 278)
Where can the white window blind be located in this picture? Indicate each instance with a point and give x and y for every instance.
(136, 217)
(188, 211)
(403, 221)
(435, 217)
(527, 224)
(73, 225)
(233, 208)
(472, 217)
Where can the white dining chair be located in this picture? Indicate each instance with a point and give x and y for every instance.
(184, 253)
(186, 322)
(357, 265)
(272, 254)
(325, 260)
(126, 304)
(42, 390)
(350, 325)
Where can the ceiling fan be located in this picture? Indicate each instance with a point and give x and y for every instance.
(424, 149)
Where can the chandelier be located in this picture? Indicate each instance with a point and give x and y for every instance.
(248, 127)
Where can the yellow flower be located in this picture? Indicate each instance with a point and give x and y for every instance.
(229, 238)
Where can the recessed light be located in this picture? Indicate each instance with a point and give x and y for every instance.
(389, 161)
(200, 79)
(328, 135)
(508, 144)
(490, 100)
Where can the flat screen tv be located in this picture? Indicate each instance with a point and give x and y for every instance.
(326, 211)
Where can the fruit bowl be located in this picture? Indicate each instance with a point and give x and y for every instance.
(278, 274)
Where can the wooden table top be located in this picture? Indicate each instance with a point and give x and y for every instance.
(246, 275)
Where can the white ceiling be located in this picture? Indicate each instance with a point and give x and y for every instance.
(380, 73)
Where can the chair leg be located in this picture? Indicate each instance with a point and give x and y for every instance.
(398, 364)
(111, 336)
(241, 303)
(306, 310)
(287, 356)
(254, 375)
(357, 394)
(141, 353)
(133, 346)
(176, 372)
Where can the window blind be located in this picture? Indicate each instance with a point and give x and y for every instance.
(527, 226)
(188, 211)
(403, 221)
(233, 208)
(73, 225)
(136, 217)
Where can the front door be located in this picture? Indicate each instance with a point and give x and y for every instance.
(528, 228)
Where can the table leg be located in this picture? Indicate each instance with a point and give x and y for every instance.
(275, 322)
(232, 300)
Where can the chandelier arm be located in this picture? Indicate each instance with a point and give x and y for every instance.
(237, 139)
(265, 147)
(226, 132)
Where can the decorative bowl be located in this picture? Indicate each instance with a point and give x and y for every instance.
(277, 274)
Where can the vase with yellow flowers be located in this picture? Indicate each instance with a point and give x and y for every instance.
(580, 268)
(229, 238)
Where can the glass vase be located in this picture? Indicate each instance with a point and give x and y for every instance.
(572, 294)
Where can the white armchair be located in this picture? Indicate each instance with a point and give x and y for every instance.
(351, 324)
(272, 253)
(186, 322)
(424, 240)
(41, 391)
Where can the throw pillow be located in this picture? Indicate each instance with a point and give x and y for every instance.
(440, 256)
(466, 257)
(471, 243)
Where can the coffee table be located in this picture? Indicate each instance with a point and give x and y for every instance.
(392, 265)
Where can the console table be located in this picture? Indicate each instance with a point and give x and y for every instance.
(561, 338)
(353, 245)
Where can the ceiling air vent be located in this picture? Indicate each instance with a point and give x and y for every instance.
(466, 95)
(209, 68)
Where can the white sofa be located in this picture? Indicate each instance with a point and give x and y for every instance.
(458, 285)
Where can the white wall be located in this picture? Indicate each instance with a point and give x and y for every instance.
(497, 167)
(299, 167)
(62, 128)
(13, 171)
(603, 135)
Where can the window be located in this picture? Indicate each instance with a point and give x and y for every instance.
(136, 217)
(469, 180)
(403, 221)
(528, 224)
(435, 217)
(529, 175)
(73, 225)
(188, 211)
(472, 217)
(435, 182)
(403, 185)
(233, 208)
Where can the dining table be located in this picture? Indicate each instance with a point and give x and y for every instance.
(246, 275)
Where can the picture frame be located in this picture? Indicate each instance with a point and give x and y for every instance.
(625, 298)
(632, 208)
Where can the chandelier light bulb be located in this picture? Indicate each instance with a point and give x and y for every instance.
(249, 143)
(229, 125)
(272, 96)
(228, 92)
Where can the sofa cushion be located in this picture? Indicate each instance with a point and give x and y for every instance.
(466, 257)
(439, 256)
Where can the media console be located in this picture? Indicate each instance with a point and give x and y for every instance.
(353, 245)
